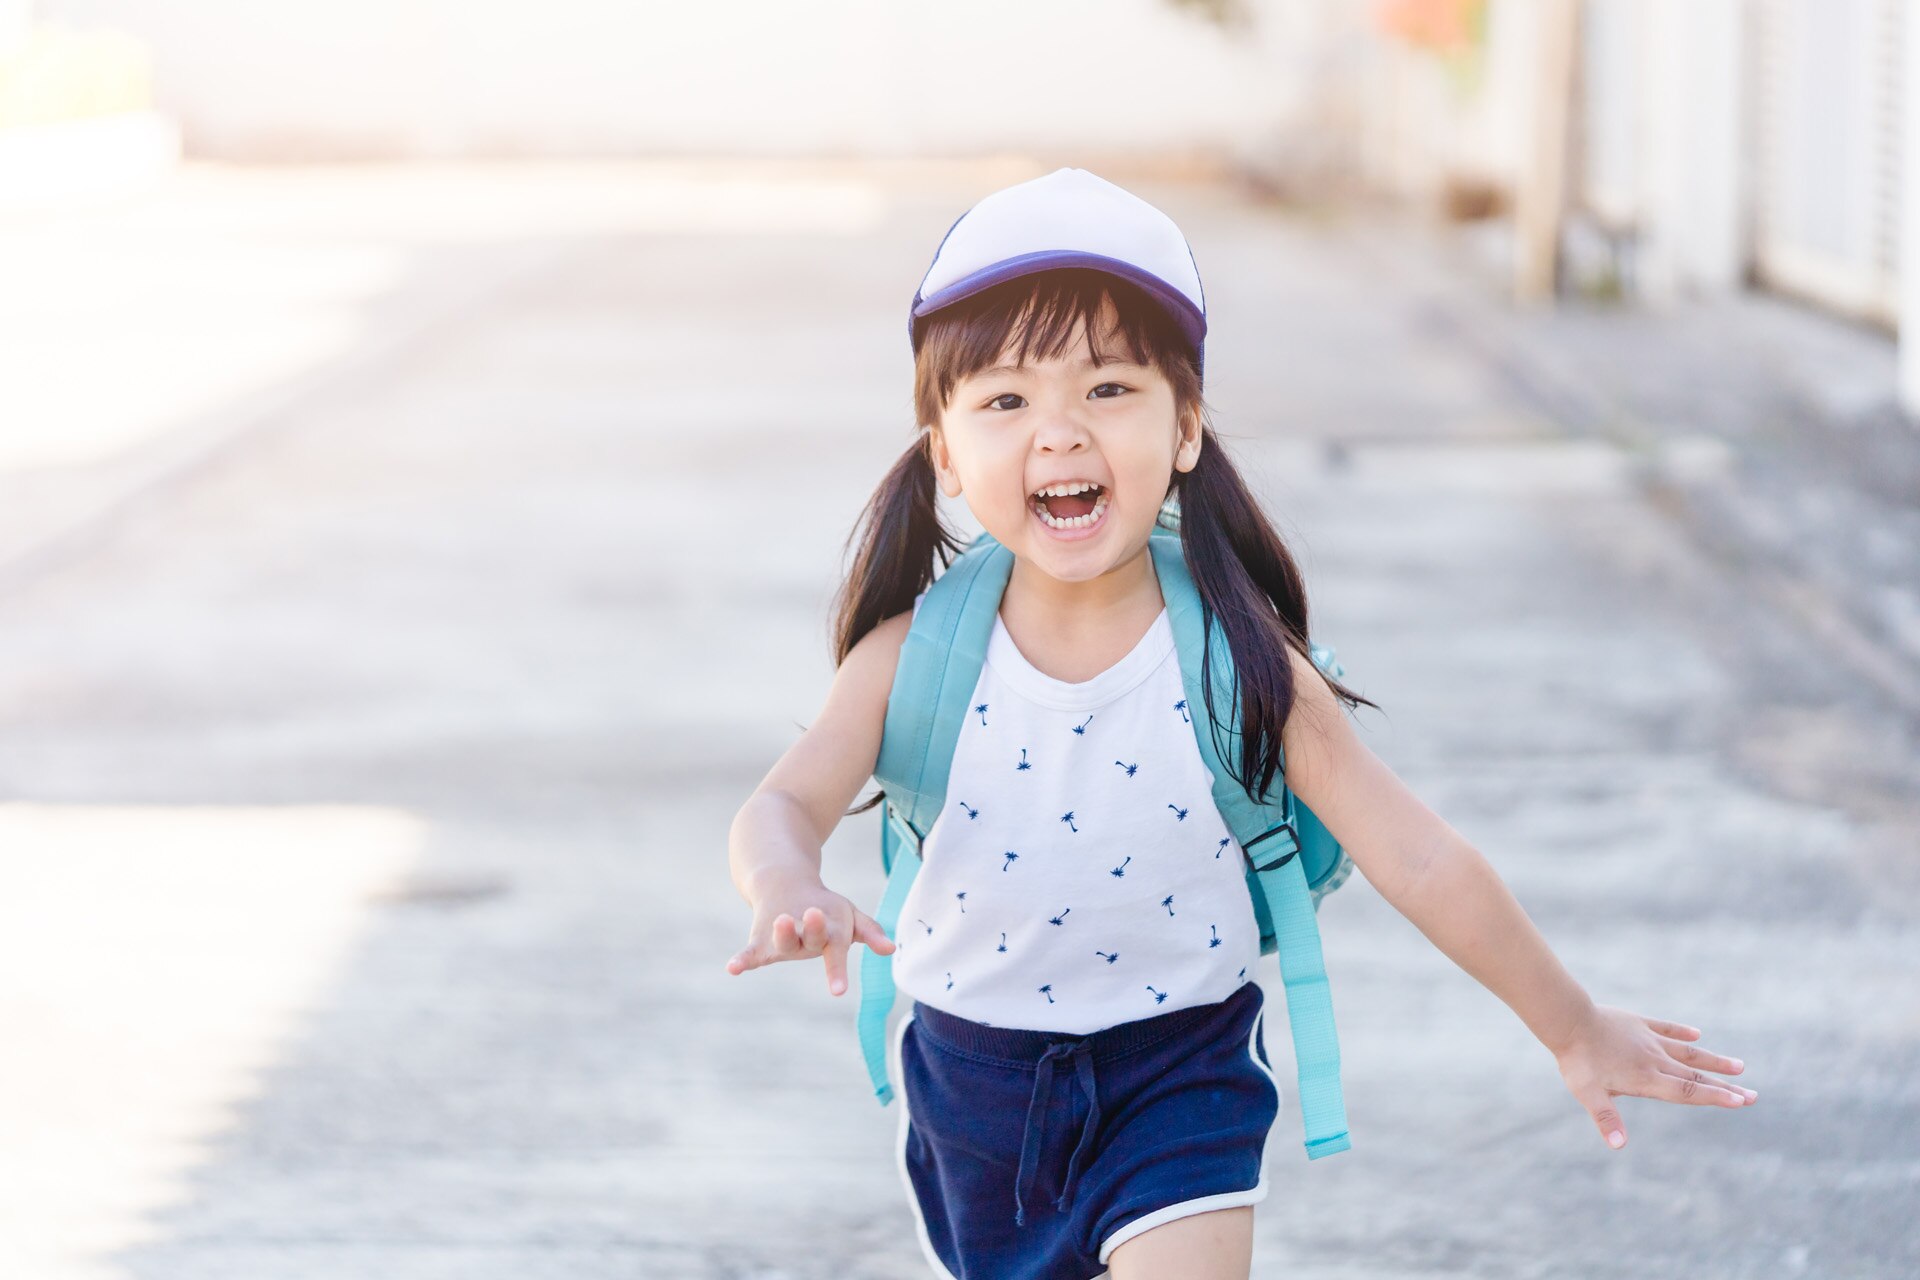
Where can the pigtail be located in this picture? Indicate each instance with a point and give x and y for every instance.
(899, 534)
(1248, 580)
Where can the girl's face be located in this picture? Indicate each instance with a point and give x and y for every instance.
(1007, 433)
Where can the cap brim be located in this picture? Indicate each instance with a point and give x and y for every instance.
(1191, 321)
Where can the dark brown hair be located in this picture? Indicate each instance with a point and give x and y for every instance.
(1242, 570)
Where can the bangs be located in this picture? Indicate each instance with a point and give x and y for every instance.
(1033, 318)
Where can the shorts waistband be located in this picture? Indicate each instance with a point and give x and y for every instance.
(1024, 1047)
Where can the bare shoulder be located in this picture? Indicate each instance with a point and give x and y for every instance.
(878, 651)
(868, 669)
(1386, 829)
(1313, 697)
(837, 754)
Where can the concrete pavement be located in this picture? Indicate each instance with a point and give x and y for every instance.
(500, 612)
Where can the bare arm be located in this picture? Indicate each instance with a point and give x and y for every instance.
(1425, 868)
(773, 846)
(1451, 893)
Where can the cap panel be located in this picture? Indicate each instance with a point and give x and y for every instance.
(1066, 209)
(1069, 217)
(1192, 322)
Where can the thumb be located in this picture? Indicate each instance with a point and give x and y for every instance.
(866, 929)
(1599, 1105)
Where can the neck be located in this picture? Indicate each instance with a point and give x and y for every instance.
(1123, 594)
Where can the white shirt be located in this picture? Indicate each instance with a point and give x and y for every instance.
(1080, 875)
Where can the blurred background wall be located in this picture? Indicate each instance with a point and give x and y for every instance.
(1633, 146)
(418, 78)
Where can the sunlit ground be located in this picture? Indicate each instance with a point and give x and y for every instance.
(152, 963)
(129, 317)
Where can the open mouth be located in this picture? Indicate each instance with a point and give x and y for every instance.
(1073, 505)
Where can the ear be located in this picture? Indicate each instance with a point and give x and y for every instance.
(943, 469)
(1186, 452)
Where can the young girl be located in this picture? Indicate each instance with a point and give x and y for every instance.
(1084, 1082)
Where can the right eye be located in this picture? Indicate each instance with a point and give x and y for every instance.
(1007, 396)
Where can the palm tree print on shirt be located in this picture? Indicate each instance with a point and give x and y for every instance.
(1023, 762)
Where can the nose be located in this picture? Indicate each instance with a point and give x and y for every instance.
(1061, 432)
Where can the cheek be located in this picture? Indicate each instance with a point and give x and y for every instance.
(989, 472)
(1145, 472)
(998, 473)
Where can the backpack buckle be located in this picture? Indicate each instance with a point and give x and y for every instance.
(1285, 851)
(902, 829)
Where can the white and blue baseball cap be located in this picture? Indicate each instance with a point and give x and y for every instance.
(1069, 218)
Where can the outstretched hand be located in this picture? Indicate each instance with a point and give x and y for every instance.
(800, 923)
(1616, 1052)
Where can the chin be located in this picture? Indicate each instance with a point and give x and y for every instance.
(1081, 559)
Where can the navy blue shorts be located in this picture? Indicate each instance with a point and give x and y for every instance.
(1034, 1154)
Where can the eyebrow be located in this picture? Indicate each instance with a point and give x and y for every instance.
(1078, 366)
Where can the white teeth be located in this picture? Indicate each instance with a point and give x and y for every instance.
(1077, 522)
(1065, 490)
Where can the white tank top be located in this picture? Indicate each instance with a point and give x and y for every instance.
(1080, 875)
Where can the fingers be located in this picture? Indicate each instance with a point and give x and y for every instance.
(783, 942)
(866, 929)
(757, 952)
(1693, 1055)
(813, 931)
(792, 939)
(815, 934)
(831, 941)
(836, 965)
(787, 942)
(1694, 1087)
(1678, 1030)
(1600, 1106)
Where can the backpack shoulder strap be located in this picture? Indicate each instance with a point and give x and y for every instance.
(938, 670)
(940, 662)
(1269, 836)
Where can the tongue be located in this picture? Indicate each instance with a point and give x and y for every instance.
(1079, 504)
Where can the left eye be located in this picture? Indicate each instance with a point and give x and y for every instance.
(1011, 396)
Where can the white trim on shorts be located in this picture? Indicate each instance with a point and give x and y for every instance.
(1226, 1199)
(900, 1156)
(900, 1159)
(1186, 1208)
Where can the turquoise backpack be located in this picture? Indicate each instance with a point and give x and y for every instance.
(1293, 861)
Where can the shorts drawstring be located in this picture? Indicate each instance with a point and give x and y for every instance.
(1080, 1053)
